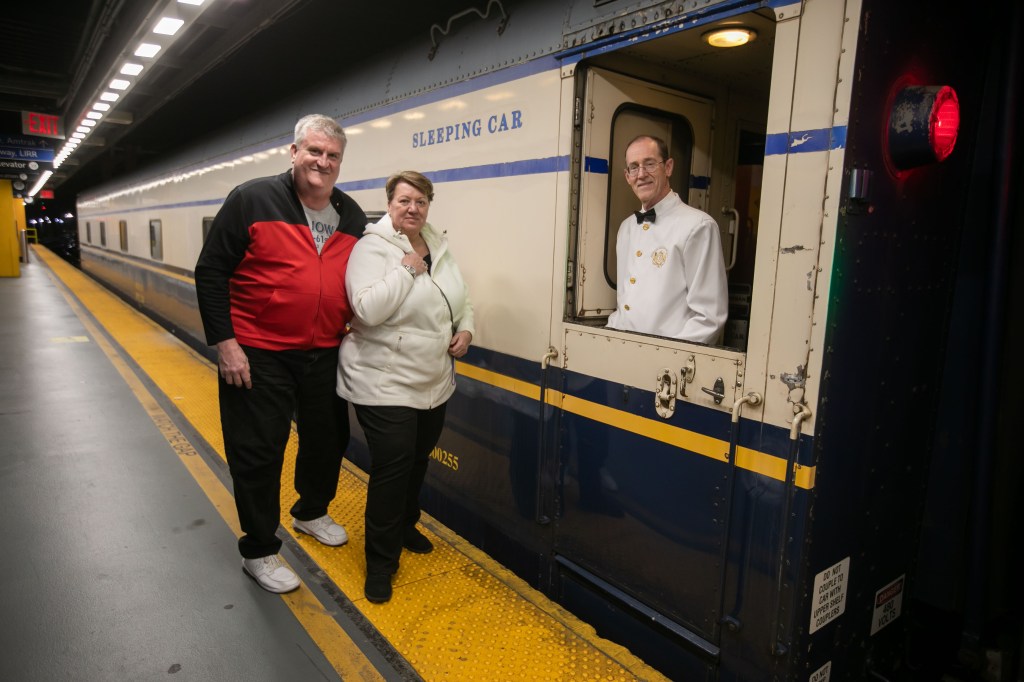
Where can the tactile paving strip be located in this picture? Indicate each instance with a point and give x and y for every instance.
(455, 614)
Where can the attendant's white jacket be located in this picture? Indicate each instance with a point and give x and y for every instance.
(396, 352)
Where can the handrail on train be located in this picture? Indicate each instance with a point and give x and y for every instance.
(483, 15)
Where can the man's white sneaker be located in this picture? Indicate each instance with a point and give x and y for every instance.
(271, 574)
(323, 529)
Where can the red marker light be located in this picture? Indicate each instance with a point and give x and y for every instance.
(944, 123)
(923, 123)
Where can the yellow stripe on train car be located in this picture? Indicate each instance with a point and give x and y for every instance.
(751, 460)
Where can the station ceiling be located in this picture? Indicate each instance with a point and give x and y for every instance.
(236, 57)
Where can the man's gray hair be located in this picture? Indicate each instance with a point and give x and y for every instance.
(319, 123)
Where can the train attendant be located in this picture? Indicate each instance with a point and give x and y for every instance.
(413, 317)
(271, 287)
(671, 273)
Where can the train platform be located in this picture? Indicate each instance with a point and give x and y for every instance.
(122, 561)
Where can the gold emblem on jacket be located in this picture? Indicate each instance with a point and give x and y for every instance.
(659, 257)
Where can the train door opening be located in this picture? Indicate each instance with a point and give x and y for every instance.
(642, 421)
(618, 109)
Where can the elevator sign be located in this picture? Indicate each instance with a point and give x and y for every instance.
(43, 125)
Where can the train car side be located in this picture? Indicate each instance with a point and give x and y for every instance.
(742, 511)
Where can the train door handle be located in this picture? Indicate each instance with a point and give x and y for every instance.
(719, 391)
(733, 231)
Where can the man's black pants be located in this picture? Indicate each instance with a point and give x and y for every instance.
(256, 423)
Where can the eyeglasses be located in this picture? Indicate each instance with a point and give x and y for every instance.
(649, 167)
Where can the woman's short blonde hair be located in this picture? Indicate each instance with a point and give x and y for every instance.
(417, 180)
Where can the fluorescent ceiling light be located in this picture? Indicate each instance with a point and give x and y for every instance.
(39, 184)
(131, 69)
(119, 84)
(109, 96)
(168, 26)
(82, 129)
(94, 115)
(101, 106)
(191, 2)
(146, 50)
(78, 136)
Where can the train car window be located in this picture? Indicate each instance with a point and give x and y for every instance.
(627, 123)
(156, 239)
(207, 224)
(88, 233)
(122, 227)
(374, 216)
(103, 233)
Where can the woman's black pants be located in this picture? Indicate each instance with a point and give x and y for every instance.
(400, 440)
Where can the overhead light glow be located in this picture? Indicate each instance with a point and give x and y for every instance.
(88, 122)
(82, 129)
(109, 96)
(78, 136)
(101, 106)
(94, 115)
(146, 50)
(168, 26)
(131, 69)
(191, 2)
(39, 184)
(730, 36)
(119, 84)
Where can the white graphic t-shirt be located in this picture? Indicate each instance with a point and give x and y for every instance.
(322, 224)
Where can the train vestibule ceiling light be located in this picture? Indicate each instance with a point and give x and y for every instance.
(729, 36)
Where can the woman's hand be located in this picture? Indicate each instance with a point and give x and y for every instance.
(460, 344)
(417, 263)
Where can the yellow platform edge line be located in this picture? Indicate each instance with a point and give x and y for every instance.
(338, 648)
(621, 656)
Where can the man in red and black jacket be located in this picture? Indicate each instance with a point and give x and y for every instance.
(271, 287)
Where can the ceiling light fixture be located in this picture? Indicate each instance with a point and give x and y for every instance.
(729, 36)
(158, 31)
(148, 50)
(168, 26)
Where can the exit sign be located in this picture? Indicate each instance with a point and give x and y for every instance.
(43, 125)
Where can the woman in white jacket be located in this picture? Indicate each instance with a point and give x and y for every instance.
(413, 317)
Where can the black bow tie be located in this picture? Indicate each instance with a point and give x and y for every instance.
(647, 215)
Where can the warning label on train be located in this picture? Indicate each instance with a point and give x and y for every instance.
(888, 604)
(829, 594)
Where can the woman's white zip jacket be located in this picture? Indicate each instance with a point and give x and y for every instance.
(396, 352)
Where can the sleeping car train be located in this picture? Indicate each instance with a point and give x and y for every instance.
(757, 509)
